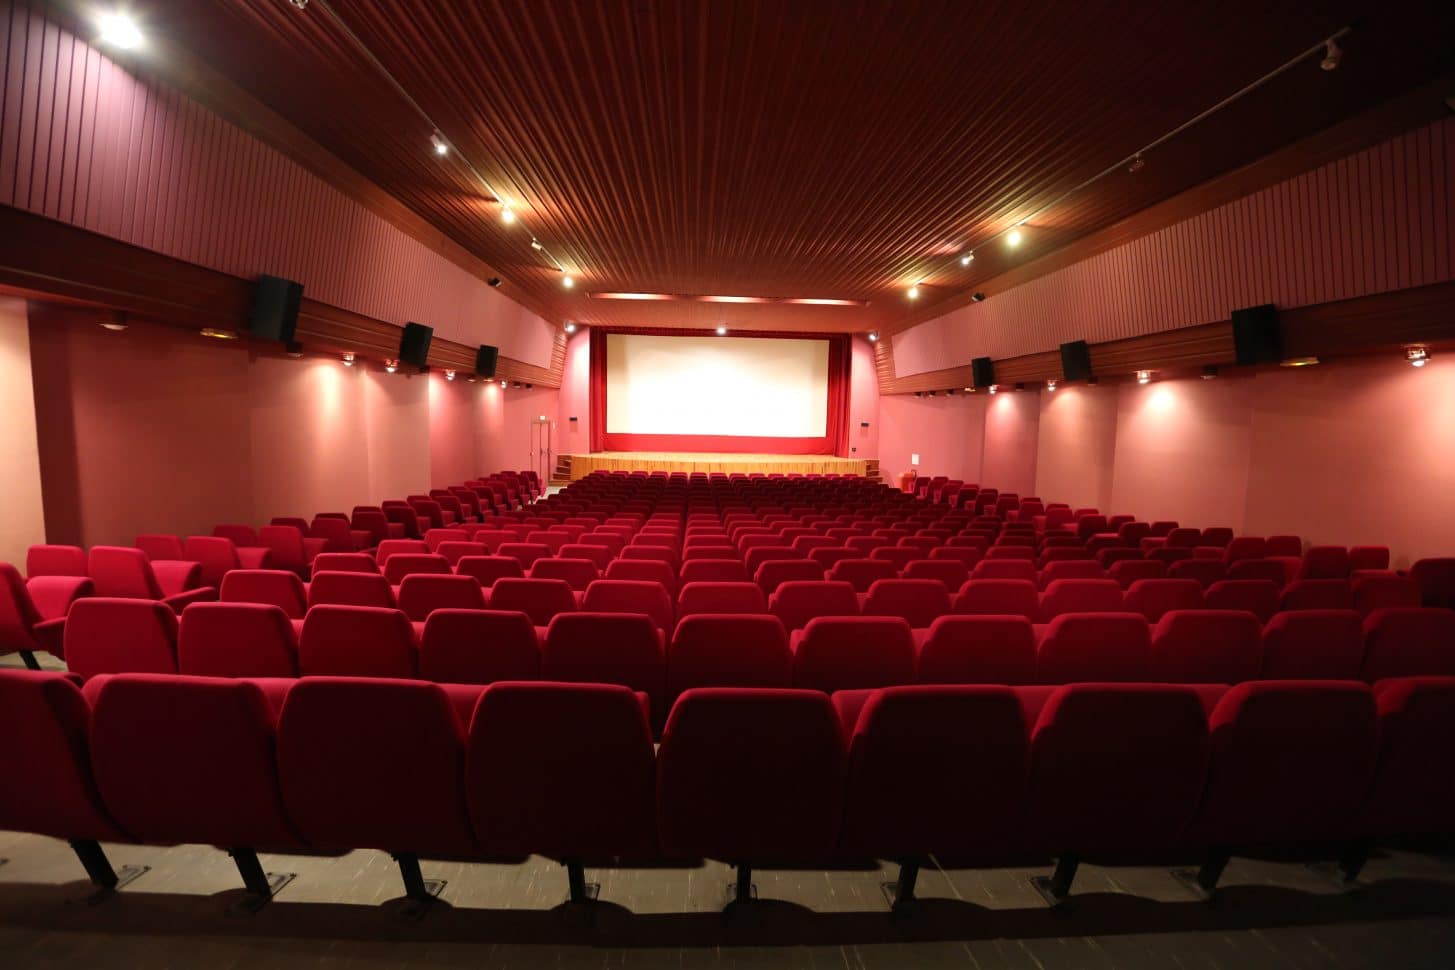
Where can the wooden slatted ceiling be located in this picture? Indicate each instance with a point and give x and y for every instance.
(830, 149)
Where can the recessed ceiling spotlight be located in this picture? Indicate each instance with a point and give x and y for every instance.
(119, 30)
(1299, 362)
(300, 4)
(507, 215)
(1136, 164)
(1051, 386)
(449, 375)
(536, 244)
(913, 293)
(570, 327)
(994, 388)
(391, 365)
(117, 323)
(721, 331)
(504, 385)
(978, 297)
(217, 334)
(1013, 238)
(348, 360)
(1417, 356)
(441, 147)
(1210, 372)
(1144, 376)
(873, 336)
(968, 258)
(293, 349)
(1333, 54)
(567, 281)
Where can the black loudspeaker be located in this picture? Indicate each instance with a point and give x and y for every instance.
(982, 371)
(1076, 360)
(1257, 337)
(414, 344)
(274, 314)
(485, 360)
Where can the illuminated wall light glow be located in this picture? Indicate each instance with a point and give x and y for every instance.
(504, 385)
(825, 301)
(219, 334)
(449, 375)
(348, 360)
(391, 365)
(873, 336)
(722, 331)
(567, 281)
(570, 328)
(913, 293)
(1013, 238)
(734, 299)
(119, 30)
(1144, 377)
(1299, 362)
(967, 259)
(1051, 386)
(507, 215)
(994, 388)
(1417, 356)
(441, 147)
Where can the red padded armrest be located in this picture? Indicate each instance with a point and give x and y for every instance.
(53, 595)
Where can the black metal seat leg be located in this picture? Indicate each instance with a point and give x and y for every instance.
(106, 879)
(261, 886)
(1205, 880)
(29, 659)
(581, 890)
(900, 893)
(1055, 889)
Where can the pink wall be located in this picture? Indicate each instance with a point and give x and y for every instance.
(1381, 219)
(947, 432)
(22, 524)
(863, 399)
(575, 438)
(160, 430)
(86, 143)
(1076, 445)
(1012, 419)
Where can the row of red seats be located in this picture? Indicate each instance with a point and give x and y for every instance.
(1113, 772)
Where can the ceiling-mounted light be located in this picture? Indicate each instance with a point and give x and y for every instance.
(217, 334)
(873, 336)
(300, 4)
(978, 297)
(536, 244)
(504, 385)
(441, 147)
(507, 215)
(1298, 362)
(1333, 54)
(117, 323)
(994, 388)
(1417, 356)
(449, 375)
(567, 281)
(721, 330)
(968, 258)
(1013, 238)
(1051, 386)
(1210, 372)
(913, 293)
(1144, 377)
(293, 349)
(1136, 164)
(118, 30)
(348, 360)
(570, 327)
(391, 365)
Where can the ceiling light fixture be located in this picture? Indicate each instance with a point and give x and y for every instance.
(734, 299)
(567, 281)
(632, 296)
(1144, 376)
(1051, 386)
(293, 349)
(449, 375)
(967, 259)
(913, 292)
(1210, 372)
(873, 336)
(1333, 54)
(1136, 164)
(391, 365)
(824, 301)
(1299, 362)
(348, 360)
(570, 327)
(504, 385)
(217, 334)
(117, 323)
(1417, 356)
(119, 30)
(721, 331)
(441, 147)
(1013, 238)
(994, 388)
(536, 244)
(507, 215)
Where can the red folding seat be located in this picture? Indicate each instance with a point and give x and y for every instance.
(1218, 536)
(918, 601)
(487, 569)
(1024, 553)
(23, 630)
(1313, 645)
(978, 650)
(1069, 569)
(1081, 596)
(1196, 646)
(1006, 597)
(455, 551)
(1256, 596)
(400, 565)
(109, 635)
(289, 548)
(450, 503)
(351, 778)
(162, 548)
(1317, 594)
(1132, 533)
(1266, 570)
(491, 538)
(1205, 571)
(1102, 542)
(546, 744)
(798, 601)
(728, 650)
(394, 547)
(345, 562)
(1283, 546)
(660, 554)
(717, 551)
(526, 553)
(1368, 557)
(551, 540)
(863, 573)
(1005, 569)
(1065, 553)
(1398, 642)
(921, 543)
(237, 640)
(540, 599)
(579, 573)
(897, 555)
(806, 545)
(864, 545)
(630, 596)
(277, 587)
(1290, 764)
(1115, 769)
(1178, 538)
(612, 540)
(217, 556)
(1089, 525)
(49, 789)
(376, 523)
(191, 760)
(1110, 557)
(764, 554)
(608, 648)
(1413, 792)
(430, 512)
(771, 574)
(950, 573)
(750, 776)
(970, 556)
(1153, 598)
(921, 738)
(648, 570)
(337, 535)
(119, 571)
(1080, 647)
(600, 556)
(1436, 579)
(420, 594)
(1245, 547)
(473, 646)
(1170, 556)
(835, 653)
(357, 641)
(1377, 592)
(1325, 562)
(350, 589)
(1129, 571)
(721, 598)
(52, 560)
(251, 551)
(715, 571)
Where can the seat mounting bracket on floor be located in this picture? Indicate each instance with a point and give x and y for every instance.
(107, 880)
(900, 893)
(741, 890)
(421, 892)
(581, 890)
(261, 886)
(1055, 888)
(1204, 881)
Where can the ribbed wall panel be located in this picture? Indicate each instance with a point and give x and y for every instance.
(1382, 219)
(86, 143)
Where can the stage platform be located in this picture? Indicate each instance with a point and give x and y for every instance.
(653, 461)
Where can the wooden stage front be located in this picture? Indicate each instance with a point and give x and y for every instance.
(678, 461)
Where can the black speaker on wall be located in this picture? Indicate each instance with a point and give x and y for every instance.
(485, 360)
(982, 372)
(1257, 336)
(414, 344)
(1076, 360)
(274, 313)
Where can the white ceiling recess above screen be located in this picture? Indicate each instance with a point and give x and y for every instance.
(739, 386)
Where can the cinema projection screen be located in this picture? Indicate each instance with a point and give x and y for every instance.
(740, 386)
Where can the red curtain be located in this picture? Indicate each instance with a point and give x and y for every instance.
(835, 440)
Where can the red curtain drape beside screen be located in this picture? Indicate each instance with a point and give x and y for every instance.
(836, 430)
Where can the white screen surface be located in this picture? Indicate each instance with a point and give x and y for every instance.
(741, 386)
